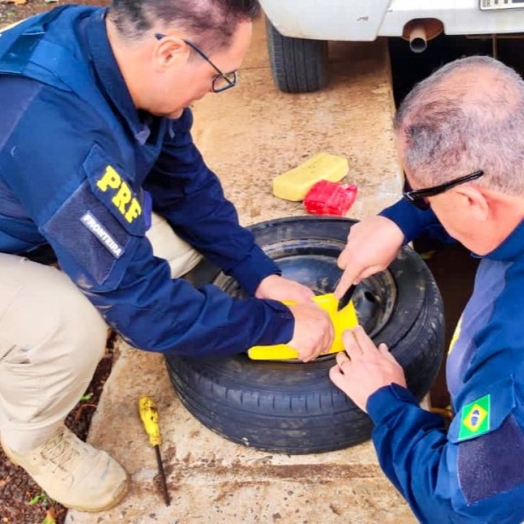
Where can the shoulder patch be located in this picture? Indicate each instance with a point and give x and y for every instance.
(103, 235)
(84, 229)
(112, 188)
(118, 194)
(492, 465)
(475, 419)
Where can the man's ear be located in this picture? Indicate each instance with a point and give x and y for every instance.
(171, 51)
(477, 201)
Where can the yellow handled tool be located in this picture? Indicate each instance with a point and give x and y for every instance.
(149, 416)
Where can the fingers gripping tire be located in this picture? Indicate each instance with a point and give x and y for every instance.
(294, 408)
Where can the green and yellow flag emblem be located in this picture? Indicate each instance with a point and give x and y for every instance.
(475, 418)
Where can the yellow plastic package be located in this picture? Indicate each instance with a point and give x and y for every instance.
(295, 184)
(342, 320)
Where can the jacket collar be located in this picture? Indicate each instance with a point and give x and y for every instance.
(110, 79)
(511, 248)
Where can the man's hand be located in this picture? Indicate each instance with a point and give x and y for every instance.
(372, 245)
(314, 331)
(363, 368)
(280, 288)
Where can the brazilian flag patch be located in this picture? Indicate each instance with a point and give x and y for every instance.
(475, 418)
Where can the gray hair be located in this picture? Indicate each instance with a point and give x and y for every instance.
(468, 115)
(210, 23)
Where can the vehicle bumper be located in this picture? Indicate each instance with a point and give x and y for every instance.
(365, 20)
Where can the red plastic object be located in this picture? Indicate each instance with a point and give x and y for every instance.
(330, 198)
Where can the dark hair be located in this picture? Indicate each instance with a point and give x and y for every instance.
(210, 23)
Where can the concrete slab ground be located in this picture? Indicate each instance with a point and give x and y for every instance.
(248, 136)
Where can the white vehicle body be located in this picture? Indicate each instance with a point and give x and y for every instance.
(365, 20)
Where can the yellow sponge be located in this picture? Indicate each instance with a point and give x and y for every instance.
(294, 184)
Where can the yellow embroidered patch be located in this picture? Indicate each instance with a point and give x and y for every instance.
(124, 200)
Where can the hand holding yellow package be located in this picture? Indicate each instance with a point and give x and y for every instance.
(342, 320)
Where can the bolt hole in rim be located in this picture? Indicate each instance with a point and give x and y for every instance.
(313, 262)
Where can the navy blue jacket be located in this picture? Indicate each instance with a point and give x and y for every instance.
(81, 168)
(474, 472)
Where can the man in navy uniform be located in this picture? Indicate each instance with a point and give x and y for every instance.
(460, 140)
(94, 137)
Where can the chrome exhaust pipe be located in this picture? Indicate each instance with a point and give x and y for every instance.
(418, 41)
(420, 31)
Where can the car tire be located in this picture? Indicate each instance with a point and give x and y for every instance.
(294, 408)
(298, 65)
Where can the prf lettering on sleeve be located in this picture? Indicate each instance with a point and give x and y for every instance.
(123, 200)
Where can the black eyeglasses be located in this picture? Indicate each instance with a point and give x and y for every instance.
(222, 81)
(418, 197)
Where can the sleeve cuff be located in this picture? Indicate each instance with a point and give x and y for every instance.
(409, 219)
(253, 269)
(386, 400)
(282, 325)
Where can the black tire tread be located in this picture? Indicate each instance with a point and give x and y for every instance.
(294, 408)
(298, 65)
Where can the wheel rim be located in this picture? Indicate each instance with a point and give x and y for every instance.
(314, 264)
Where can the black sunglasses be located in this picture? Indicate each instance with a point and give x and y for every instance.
(222, 81)
(418, 197)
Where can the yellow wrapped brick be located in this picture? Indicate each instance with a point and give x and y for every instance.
(294, 184)
(344, 319)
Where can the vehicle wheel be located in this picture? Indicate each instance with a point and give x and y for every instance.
(293, 407)
(298, 65)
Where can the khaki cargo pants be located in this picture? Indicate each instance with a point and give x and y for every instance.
(52, 338)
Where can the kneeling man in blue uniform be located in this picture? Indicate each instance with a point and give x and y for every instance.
(97, 162)
(460, 140)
